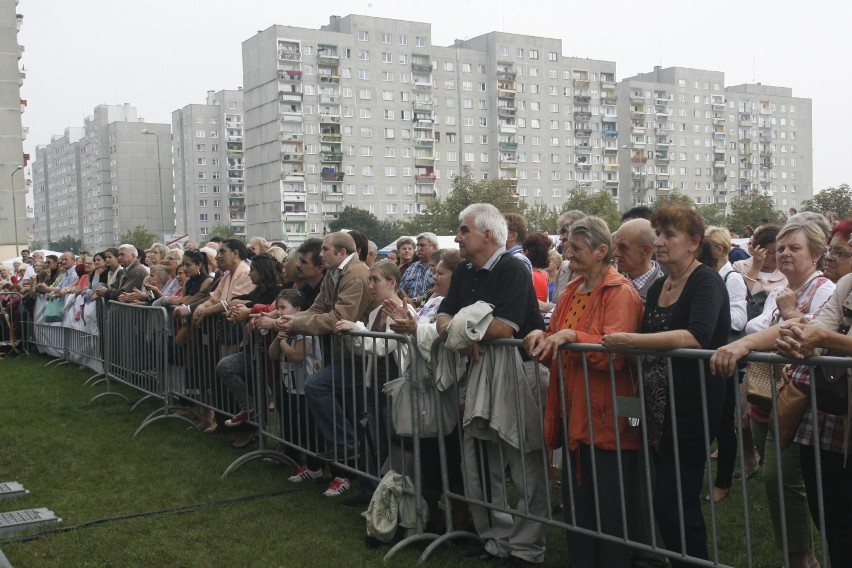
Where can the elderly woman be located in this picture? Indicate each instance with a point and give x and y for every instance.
(155, 254)
(259, 245)
(838, 261)
(801, 246)
(829, 331)
(598, 302)
(687, 309)
(719, 241)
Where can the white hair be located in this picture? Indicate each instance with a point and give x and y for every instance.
(486, 217)
(371, 246)
(130, 248)
(429, 236)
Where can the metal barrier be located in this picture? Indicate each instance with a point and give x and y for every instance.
(139, 350)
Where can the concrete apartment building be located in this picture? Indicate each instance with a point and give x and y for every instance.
(13, 207)
(96, 182)
(208, 165)
(367, 112)
(682, 129)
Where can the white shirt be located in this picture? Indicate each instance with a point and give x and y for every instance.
(736, 296)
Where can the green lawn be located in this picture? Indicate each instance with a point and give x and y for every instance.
(78, 459)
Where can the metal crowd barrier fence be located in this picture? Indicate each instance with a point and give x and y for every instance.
(11, 324)
(644, 505)
(341, 415)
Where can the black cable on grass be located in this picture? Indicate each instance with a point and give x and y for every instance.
(146, 514)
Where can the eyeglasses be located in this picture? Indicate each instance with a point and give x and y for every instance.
(837, 253)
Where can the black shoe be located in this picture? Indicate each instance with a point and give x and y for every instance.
(341, 454)
(515, 562)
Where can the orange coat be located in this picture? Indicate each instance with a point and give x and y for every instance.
(614, 306)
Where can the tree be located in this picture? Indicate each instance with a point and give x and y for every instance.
(540, 217)
(380, 232)
(750, 209)
(837, 199)
(598, 203)
(442, 215)
(223, 231)
(713, 214)
(140, 237)
(66, 243)
(673, 198)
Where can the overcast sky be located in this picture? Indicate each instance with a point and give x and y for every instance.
(161, 55)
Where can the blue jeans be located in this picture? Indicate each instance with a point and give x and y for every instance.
(326, 391)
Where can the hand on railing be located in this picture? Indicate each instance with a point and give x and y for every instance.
(620, 341)
(797, 339)
(724, 361)
(343, 325)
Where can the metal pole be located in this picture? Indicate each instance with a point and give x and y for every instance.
(15, 210)
(160, 182)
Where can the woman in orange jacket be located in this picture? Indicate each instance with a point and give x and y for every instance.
(598, 302)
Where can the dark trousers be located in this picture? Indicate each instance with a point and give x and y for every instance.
(837, 497)
(726, 438)
(692, 463)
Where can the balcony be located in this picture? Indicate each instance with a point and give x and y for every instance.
(332, 196)
(331, 157)
(508, 158)
(289, 55)
(718, 135)
(421, 67)
(583, 167)
(234, 138)
(329, 79)
(611, 183)
(425, 106)
(293, 175)
(720, 178)
(330, 215)
(609, 133)
(609, 117)
(581, 83)
(582, 99)
(508, 146)
(719, 164)
(425, 178)
(639, 159)
(428, 192)
(508, 128)
(329, 100)
(424, 142)
(235, 179)
(583, 131)
(329, 119)
(331, 137)
(327, 58)
(609, 101)
(290, 97)
(506, 111)
(293, 156)
(583, 148)
(292, 116)
(610, 149)
(610, 167)
(582, 115)
(331, 175)
(422, 85)
(506, 93)
(290, 76)
(506, 75)
(424, 161)
(662, 160)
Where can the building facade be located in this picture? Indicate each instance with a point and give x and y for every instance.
(367, 112)
(209, 166)
(96, 183)
(13, 207)
(683, 129)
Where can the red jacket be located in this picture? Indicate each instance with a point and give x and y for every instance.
(614, 306)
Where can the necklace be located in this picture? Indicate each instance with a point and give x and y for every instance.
(672, 283)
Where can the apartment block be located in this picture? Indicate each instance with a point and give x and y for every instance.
(13, 218)
(682, 129)
(100, 181)
(209, 166)
(367, 112)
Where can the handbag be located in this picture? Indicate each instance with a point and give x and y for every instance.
(431, 404)
(832, 387)
(53, 310)
(792, 404)
(759, 377)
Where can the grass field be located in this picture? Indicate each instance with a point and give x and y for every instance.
(159, 500)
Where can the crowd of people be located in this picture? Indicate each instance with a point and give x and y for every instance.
(662, 281)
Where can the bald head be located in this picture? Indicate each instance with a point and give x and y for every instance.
(634, 247)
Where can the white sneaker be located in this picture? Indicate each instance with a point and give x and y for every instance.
(302, 473)
(338, 486)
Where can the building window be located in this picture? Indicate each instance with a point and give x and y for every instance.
(363, 36)
(420, 41)
(533, 54)
(385, 38)
(551, 56)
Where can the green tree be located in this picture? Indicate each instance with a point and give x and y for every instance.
(750, 209)
(713, 214)
(442, 215)
(66, 243)
(673, 198)
(837, 199)
(540, 217)
(223, 231)
(379, 231)
(598, 203)
(139, 236)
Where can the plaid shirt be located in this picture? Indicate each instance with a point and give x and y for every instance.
(830, 426)
(417, 279)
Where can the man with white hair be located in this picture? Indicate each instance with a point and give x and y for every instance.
(131, 275)
(66, 281)
(372, 251)
(417, 279)
(495, 276)
(634, 252)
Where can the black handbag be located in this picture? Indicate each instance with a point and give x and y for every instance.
(832, 384)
